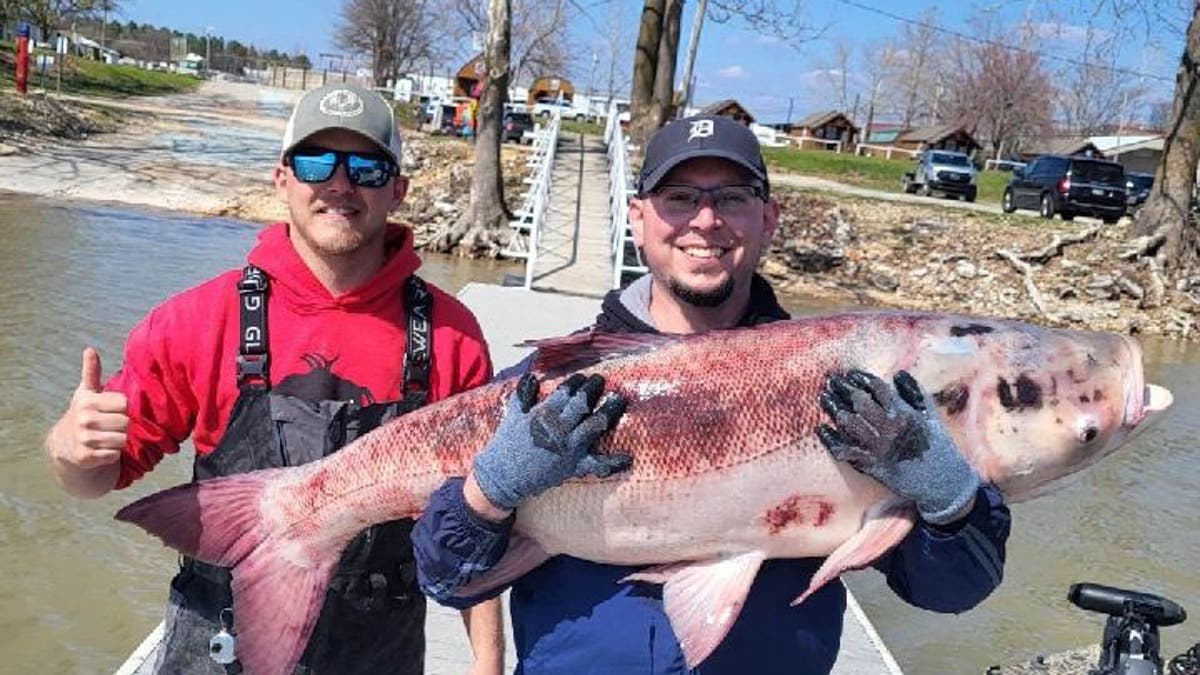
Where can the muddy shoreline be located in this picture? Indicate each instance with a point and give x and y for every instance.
(211, 152)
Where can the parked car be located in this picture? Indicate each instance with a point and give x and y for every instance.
(544, 107)
(516, 126)
(1138, 185)
(1069, 186)
(950, 173)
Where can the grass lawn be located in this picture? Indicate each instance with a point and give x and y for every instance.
(585, 128)
(869, 172)
(93, 78)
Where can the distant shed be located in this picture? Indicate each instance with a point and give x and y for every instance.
(729, 108)
(468, 82)
(550, 87)
(828, 129)
(942, 137)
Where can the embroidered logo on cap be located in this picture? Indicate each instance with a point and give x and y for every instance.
(341, 103)
(700, 129)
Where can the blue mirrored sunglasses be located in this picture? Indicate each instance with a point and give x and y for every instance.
(316, 165)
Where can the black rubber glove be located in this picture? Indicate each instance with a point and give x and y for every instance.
(540, 446)
(893, 434)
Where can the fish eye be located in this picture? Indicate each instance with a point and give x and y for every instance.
(1089, 434)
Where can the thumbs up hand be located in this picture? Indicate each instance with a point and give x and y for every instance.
(92, 433)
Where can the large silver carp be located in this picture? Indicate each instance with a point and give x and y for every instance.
(727, 470)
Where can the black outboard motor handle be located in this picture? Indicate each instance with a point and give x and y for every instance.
(1119, 602)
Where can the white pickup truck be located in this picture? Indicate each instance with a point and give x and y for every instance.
(544, 107)
(950, 173)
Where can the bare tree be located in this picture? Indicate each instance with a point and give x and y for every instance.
(653, 89)
(1159, 114)
(1001, 93)
(394, 34)
(645, 69)
(918, 43)
(836, 72)
(879, 61)
(1094, 96)
(1167, 212)
(617, 45)
(538, 35)
(479, 230)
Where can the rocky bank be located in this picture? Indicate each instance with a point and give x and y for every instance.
(1070, 274)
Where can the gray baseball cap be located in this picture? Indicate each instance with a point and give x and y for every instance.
(343, 106)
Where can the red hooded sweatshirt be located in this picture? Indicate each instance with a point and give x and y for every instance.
(180, 362)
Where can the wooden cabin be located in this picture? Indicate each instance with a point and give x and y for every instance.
(1062, 145)
(943, 137)
(826, 130)
(468, 82)
(729, 108)
(550, 87)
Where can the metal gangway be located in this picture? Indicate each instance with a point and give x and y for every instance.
(626, 257)
(530, 218)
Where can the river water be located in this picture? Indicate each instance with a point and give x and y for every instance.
(78, 591)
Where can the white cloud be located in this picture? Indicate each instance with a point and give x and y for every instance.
(1067, 32)
(732, 72)
(761, 39)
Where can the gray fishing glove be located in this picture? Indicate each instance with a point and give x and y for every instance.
(893, 435)
(540, 446)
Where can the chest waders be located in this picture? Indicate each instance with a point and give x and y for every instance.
(373, 617)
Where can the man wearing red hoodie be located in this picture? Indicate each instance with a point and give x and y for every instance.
(324, 335)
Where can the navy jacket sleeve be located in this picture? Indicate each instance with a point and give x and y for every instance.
(452, 544)
(952, 569)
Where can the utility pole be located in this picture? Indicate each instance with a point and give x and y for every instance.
(690, 59)
(208, 48)
(791, 100)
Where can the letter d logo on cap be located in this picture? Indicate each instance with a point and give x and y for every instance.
(700, 129)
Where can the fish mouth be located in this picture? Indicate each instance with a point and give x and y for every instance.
(1143, 401)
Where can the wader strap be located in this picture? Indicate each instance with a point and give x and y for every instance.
(252, 347)
(417, 349)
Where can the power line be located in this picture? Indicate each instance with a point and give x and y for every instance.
(994, 43)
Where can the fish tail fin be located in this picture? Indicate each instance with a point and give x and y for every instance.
(278, 582)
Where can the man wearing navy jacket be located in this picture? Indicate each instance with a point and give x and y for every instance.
(703, 218)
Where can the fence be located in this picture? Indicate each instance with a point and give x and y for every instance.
(885, 150)
(527, 226)
(620, 182)
(286, 77)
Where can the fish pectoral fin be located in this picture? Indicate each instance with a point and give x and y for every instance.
(885, 525)
(522, 555)
(703, 598)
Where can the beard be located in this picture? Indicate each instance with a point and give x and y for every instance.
(698, 298)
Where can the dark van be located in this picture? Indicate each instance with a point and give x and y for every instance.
(1069, 186)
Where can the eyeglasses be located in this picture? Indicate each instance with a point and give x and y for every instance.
(316, 165)
(729, 201)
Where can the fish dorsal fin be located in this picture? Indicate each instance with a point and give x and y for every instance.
(562, 355)
(703, 598)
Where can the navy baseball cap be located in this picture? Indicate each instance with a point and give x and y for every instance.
(700, 136)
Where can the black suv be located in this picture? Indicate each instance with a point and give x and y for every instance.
(1068, 186)
(514, 125)
(1139, 185)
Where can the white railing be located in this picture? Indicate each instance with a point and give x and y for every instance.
(620, 182)
(869, 150)
(529, 219)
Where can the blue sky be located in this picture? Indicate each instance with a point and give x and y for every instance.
(732, 62)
